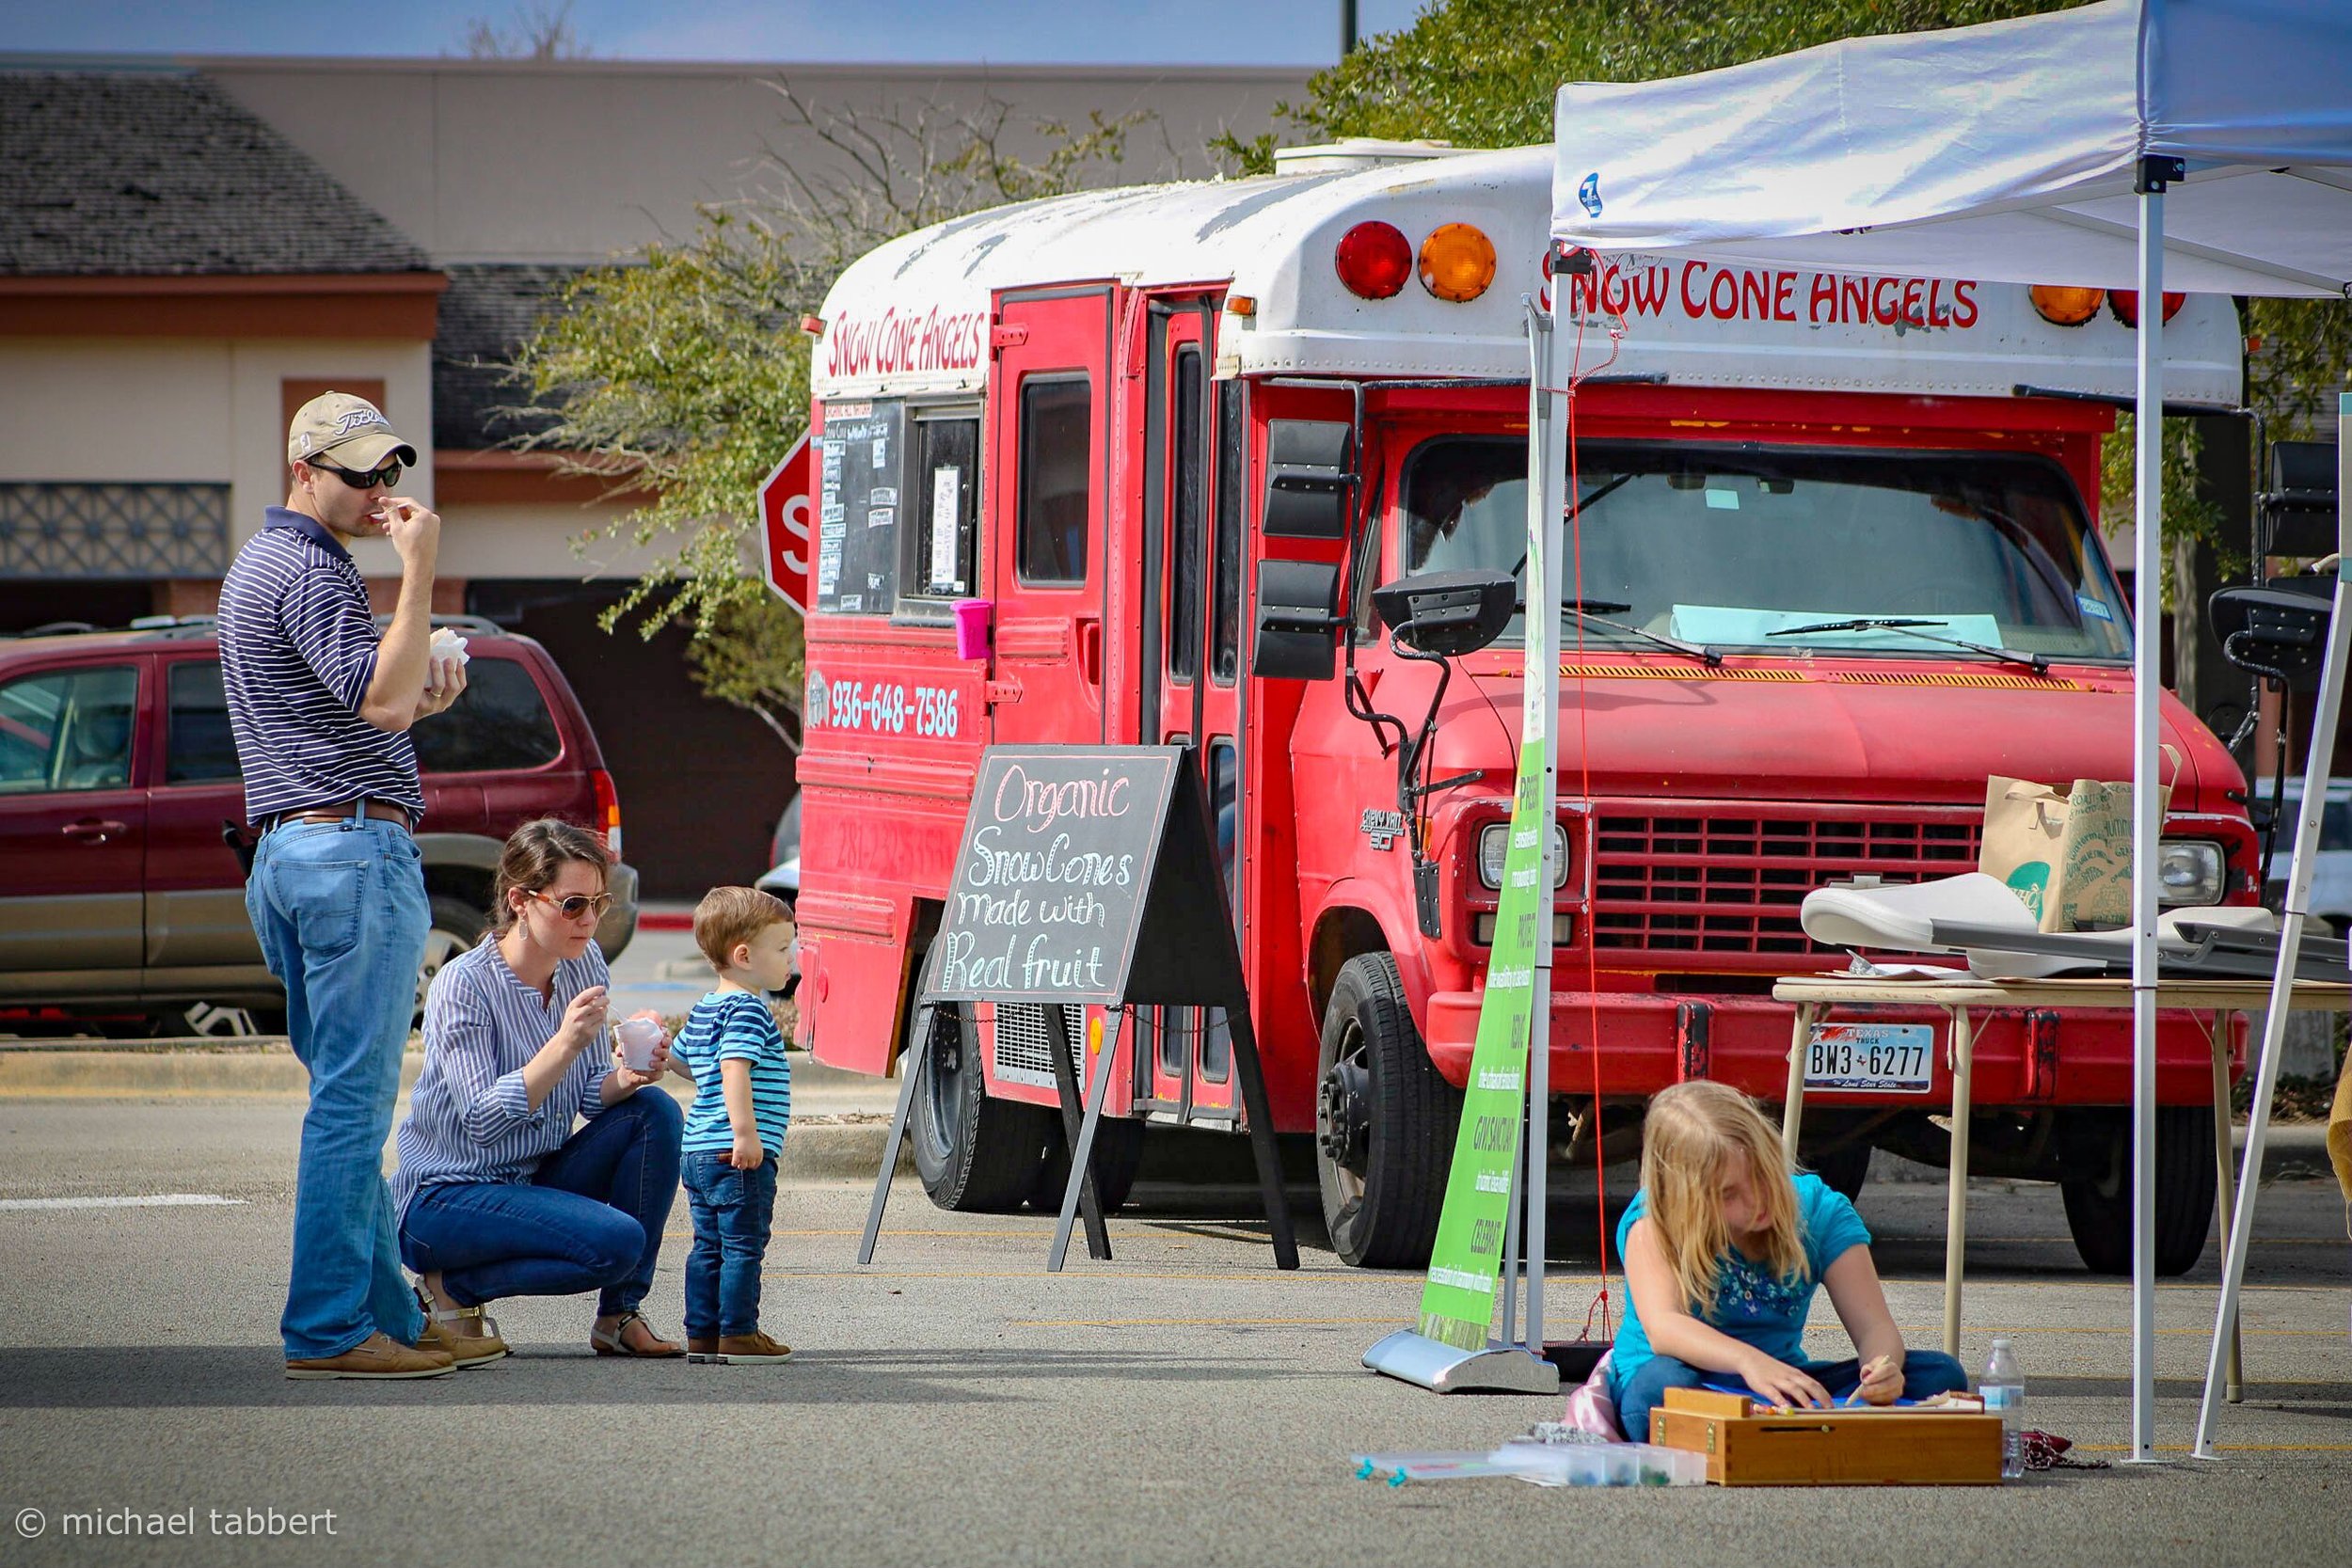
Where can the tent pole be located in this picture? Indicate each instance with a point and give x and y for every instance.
(1552, 433)
(2147, 814)
(2323, 750)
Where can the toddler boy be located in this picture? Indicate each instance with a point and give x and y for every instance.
(733, 1050)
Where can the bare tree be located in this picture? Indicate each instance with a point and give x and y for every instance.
(538, 31)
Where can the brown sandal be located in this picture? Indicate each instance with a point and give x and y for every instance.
(614, 1340)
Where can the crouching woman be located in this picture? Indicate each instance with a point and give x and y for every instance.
(503, 1189)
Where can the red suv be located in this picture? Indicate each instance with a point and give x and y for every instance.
(121, 891)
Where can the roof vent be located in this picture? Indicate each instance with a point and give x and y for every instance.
(1355, 153)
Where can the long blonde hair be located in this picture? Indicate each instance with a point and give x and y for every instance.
(1694, 1133)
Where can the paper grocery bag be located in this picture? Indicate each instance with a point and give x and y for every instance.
(2023, 824)
(2067, 857)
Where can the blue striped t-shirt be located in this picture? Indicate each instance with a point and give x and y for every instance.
(734, 1025)
(297, 650)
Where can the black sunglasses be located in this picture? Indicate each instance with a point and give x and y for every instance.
(388, 475)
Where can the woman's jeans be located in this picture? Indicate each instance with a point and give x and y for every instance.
(1925, 1373)
(733, 1211)
(340, 910)
(590, 1218)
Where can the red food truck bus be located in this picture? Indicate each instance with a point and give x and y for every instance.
(1174, 436)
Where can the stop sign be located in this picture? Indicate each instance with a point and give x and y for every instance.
(786, 502)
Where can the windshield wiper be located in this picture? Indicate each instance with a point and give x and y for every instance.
(1585, 610)
(2038, 663)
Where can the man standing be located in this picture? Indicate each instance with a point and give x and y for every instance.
(320, 710)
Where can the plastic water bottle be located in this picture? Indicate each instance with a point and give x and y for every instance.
(2004, 1389)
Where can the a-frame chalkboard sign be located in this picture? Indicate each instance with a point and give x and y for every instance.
(1088, 874)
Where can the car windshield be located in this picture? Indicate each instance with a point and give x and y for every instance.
(1761, 548)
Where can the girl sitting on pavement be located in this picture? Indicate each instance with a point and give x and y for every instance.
(497, 1194)
(1723, 1251)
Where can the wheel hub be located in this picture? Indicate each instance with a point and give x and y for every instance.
(1343, 1115)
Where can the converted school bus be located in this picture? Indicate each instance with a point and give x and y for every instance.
(1177, 434)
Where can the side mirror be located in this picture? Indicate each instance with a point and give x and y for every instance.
(1310, 477)
(1297, 626)
(2278, 628)
(2299, 508)
(1448, 614)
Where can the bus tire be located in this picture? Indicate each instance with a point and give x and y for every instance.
(1118, 1155)
(2099, 1197)
(1385, 1122)
(975, 1155)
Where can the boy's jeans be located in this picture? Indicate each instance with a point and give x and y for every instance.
(340, 912)
(733, 1211)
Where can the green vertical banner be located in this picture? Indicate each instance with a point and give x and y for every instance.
(1457, 1304)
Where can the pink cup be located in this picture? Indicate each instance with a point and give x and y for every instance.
(639, 1038)
(971, 627)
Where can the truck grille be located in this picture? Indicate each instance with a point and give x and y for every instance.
(1700, 882)
(1023, 1055)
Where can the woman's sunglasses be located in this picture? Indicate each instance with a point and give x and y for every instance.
(388, 475)
(578, 904)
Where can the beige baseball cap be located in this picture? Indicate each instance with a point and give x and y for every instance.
(350, 429)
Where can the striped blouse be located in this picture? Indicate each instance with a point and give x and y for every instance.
(469, 1118)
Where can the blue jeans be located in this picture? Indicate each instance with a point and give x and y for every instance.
(339, 909)
(590, 1218)
(1925, 1373)
(733, 1211)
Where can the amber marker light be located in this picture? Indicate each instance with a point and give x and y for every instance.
(2127, 303)
(1457, 261)
(1240, 305)
(2066, 307)
(1374, 260)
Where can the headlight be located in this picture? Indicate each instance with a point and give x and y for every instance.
(2188, 871)
(1495, 843)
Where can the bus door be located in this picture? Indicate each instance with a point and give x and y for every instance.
(1048, 424)
(1195, 450)
(1048, 420)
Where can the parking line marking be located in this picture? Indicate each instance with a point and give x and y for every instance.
(153, 1200)
(1196, 1322)
(2222, 1447)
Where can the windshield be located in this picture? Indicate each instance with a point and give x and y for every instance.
(1730, 546)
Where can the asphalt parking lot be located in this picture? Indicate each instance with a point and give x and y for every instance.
(955, 1404)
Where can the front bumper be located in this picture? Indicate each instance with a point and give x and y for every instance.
(2021, 1056)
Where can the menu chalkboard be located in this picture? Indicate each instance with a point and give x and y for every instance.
(1085, 874)
(1088, 874)
(861, 456)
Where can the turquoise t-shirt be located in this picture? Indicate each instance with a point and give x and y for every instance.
(1751, 1304)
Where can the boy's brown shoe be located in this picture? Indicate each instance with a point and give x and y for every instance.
(732, 1348)
(701, 1347)
(379, 1355)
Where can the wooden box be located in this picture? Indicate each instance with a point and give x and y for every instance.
(1748, 1445)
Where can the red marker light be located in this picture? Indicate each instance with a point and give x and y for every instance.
(2126, 303)
(1374, 260)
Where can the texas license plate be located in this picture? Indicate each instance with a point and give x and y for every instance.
(1880, 1058)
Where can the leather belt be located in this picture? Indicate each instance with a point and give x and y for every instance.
(380, 811)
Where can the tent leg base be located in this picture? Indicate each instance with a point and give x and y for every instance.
(1441, 1368)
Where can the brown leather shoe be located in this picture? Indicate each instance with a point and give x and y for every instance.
(467, 1350)
(742, 1347)
(701, 1347)
(379, 1355)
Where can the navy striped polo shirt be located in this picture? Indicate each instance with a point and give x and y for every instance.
(297, 650)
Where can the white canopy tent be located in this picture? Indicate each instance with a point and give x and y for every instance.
(2197, 144)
